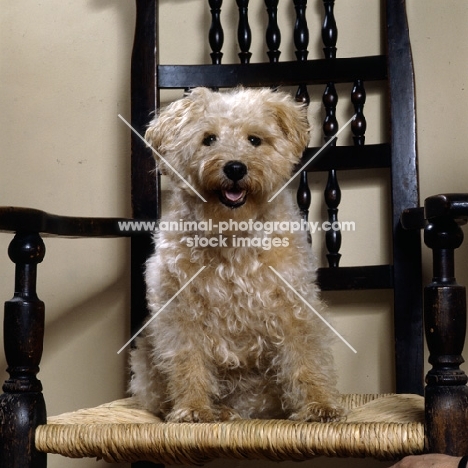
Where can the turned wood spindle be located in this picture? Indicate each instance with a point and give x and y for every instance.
(330, 123)
(301, 30)
(244, 35)
(304, 198)
(330, 96)
(332, 192)
(273, 33)
(329, 30)
(216, 34)
(446, 395)
(359, 124)
(333, 234)
(22, 406)
(301, 42)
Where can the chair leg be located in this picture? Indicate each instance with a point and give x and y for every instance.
(445, 324)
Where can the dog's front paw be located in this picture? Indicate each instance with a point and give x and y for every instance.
(225, 413)
(320, 412)
(207, 414)
(189, 415)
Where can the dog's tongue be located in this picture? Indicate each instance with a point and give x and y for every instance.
(233, 195)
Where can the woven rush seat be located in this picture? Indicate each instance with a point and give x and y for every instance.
(383, 426)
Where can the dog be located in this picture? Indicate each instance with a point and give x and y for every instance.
(232, 333)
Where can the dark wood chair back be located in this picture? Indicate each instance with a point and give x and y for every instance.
(397, 155)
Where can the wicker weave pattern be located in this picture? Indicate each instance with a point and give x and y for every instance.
(244, 439)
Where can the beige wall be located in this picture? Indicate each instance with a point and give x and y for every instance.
(65, 77)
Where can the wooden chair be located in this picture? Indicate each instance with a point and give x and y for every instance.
(381, 426)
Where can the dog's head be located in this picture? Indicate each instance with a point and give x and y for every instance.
(233, 147)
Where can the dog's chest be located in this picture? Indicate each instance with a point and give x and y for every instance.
(243, 334)
(248, 349)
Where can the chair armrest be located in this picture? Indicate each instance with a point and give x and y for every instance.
(450, 205)
(22, 406)
(14, 219)
(413, 218)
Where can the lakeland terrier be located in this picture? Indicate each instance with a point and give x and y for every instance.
(230, 334)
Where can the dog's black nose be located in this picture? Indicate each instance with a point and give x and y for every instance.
(235, 170)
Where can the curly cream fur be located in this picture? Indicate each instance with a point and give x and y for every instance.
(237, 341)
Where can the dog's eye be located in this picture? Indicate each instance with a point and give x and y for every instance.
(254, 140)
(209, 140)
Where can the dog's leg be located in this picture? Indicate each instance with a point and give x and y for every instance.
(191, 387)
(307, 378)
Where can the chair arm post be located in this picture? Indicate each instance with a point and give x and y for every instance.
(445, 325)
(22, 406)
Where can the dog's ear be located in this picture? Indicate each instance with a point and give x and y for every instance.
(166, 132)
(292, 120)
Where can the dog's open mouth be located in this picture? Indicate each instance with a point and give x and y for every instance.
(233, 198)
